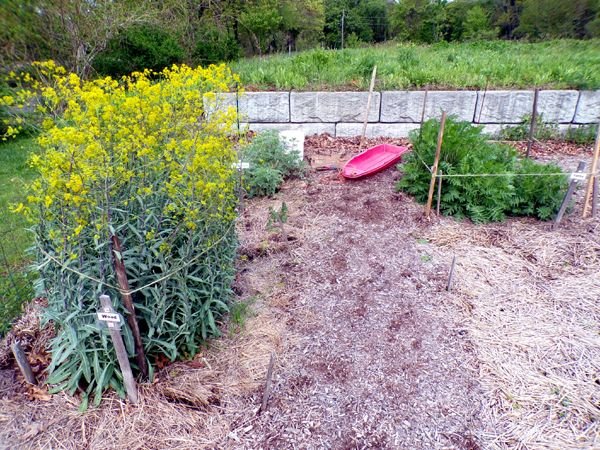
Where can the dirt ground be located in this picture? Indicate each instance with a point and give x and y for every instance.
(371, 350)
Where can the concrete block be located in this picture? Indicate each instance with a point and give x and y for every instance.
(557, 106)
(256, 106)
(407, 106)
(503, 106)
(457, 103)
(401, 106)
(588, 107)
(308, 128)
(333, 106)
(376, 129)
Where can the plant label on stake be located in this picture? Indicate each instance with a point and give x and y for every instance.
(109, 317)
(113, 321)
(578, 176)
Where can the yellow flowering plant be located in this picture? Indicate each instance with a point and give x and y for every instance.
(146, 162)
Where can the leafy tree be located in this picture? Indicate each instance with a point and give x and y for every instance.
(367, 19)
(543, 19)
(260, 21)
(79, 30)
(420, 20)
(506, 15)
(477, 25)
(138, 48)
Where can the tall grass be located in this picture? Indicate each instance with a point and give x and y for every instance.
(15, 283)
(557, 64)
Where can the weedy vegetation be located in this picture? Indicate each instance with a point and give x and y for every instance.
(554, 64)
(270, 163)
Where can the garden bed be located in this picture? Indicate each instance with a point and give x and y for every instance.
(371, 350)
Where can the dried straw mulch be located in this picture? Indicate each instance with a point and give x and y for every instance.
(531, 296)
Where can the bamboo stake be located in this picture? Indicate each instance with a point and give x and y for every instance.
(435, 165)
(439, 194)
(590, 185)
(532, 125)
(364, 130)
(595, 197)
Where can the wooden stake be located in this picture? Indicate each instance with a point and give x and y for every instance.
(590, 185)
(595, 197)
(533, 118)
(364, 130)
(267, 391)
(435, 165)
(567, 197)
(22, 362)
(451, 274)
(122, 357)
(439, 194)
(140, 356)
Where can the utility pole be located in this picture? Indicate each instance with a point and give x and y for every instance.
(343, 19)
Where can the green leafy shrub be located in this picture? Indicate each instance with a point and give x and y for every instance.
(270, 164)
(138, 48)
(466, 152)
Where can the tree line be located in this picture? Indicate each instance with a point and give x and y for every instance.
(118, 36)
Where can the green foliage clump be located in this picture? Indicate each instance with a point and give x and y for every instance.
(270, 164)
(138, 48)
(542, 131)
(583, 135)
(467, 152)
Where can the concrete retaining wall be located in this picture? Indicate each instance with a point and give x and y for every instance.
(395, 113)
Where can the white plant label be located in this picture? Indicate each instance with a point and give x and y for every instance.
(578, 176)
(111, 319)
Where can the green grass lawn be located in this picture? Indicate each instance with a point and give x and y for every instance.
(15, 285)
(558, 64)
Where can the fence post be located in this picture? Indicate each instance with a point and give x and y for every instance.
(532, 125)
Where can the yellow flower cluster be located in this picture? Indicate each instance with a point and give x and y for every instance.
(110, 143)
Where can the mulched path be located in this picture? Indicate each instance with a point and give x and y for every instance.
(376, 363)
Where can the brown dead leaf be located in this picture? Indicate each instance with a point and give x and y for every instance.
(36, 393)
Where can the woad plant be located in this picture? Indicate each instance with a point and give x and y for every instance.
(132, 171)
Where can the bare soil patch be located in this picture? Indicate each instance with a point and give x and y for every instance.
(371, 350)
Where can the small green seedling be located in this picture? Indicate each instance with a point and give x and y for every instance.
(278, 219)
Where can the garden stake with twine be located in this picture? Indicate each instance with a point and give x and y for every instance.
(434, 169)
(593, 175)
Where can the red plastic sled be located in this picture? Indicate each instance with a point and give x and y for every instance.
(373, 160)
